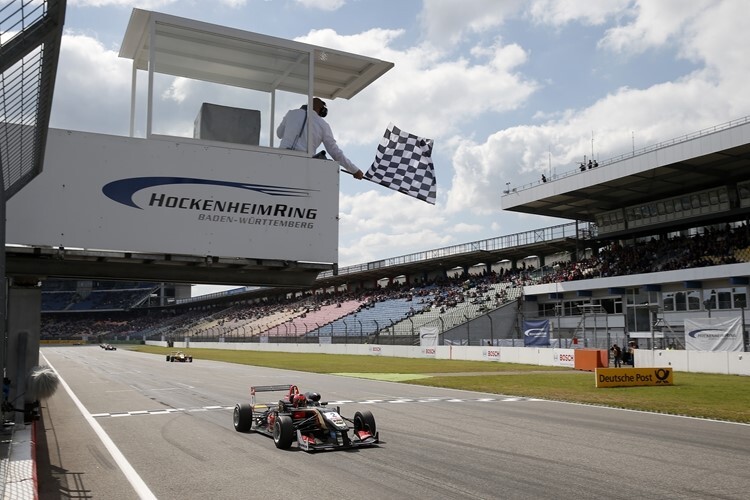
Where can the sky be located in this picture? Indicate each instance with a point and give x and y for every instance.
(507, 89)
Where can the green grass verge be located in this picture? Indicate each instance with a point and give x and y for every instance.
(721, 397)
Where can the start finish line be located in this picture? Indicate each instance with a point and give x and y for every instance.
(630, 377)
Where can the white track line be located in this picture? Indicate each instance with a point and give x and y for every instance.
(131, 475)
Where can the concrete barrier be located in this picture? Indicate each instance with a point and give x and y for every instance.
(728, 363)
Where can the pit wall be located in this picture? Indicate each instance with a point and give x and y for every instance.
(726, 363)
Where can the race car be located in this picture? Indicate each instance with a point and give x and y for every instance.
(305, 419)
(109, 347)
(179, 356)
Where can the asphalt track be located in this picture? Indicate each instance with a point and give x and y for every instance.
(140, 427)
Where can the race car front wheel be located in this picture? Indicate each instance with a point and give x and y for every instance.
(242, 417)
(364, 421)
(283, 432)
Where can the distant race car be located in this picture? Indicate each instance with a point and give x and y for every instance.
(305, 419)
(179, 356)
(109, 347)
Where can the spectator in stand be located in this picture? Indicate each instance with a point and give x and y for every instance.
(632, 346)
(617, 355)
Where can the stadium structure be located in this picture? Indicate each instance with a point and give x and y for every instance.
(656, 237)
(679, 207)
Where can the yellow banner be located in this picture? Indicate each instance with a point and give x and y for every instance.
(629, 377)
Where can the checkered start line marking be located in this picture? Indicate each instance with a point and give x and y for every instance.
(169, 411)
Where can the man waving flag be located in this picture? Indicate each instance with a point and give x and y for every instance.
(404, 163)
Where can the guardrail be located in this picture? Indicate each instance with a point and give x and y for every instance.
(636, 152)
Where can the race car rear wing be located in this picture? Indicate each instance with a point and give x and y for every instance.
(268, 388)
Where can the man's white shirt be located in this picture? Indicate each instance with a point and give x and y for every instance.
(293, 134)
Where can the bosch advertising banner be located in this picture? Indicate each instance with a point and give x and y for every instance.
(536, 333)
(713, 334)
(628, 377)
(428, 340)
(565, 357)
(491, 354)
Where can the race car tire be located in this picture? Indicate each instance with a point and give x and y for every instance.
(363, 420)
(283, 432)
(242, 417)
(168, 357)
(190, 359)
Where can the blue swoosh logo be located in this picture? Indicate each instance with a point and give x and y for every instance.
(693, 333)
(535, 332)
(123, 190)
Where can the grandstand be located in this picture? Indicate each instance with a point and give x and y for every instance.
(665, 251)
(643, 254)
(85, 295)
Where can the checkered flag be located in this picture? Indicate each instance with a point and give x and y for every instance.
(404, 163)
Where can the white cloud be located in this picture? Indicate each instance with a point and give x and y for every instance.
(482, 170)
(235, 4)
(561, 12)
(719, 37)
(442, 94)
(375, 244)
(475, 104)
(178, 91)
(328, 5)
(141, 4)
(382, 208)
(520, 154)
(383, 222)
(655, 24)
(446, 22)
(627, 117)
(463, 227)
(92, 87)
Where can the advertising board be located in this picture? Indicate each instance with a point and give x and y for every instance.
(629, 377)
(161, 196)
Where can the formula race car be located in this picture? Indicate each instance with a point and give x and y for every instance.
(108, 347)
(305, 419)
(179, 356)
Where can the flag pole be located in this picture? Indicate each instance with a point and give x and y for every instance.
(364, 178)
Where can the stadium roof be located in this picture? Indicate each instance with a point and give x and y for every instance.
(46, 262)
(718, 156)
(227, 56)
(187, 48)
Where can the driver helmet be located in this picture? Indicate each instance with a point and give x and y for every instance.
(300, 400)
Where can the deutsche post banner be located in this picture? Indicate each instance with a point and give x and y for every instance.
(629, 377)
